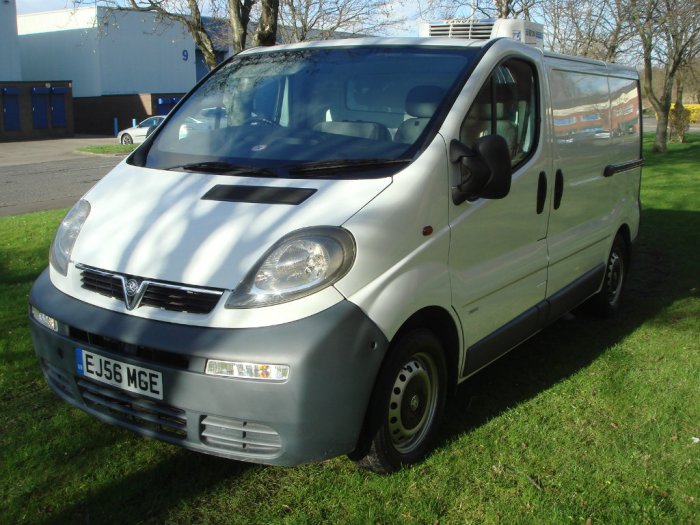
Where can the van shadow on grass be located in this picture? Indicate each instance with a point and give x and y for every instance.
(148, 495)
(665, 270)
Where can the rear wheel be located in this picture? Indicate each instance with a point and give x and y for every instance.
(126, 139)
(407, 403)
(607, 302)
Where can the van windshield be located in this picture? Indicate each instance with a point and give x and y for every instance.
(311, 112)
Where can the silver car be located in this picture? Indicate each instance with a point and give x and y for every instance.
(138, 133)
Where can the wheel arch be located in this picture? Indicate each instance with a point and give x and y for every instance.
(626, 234)
(437, 320)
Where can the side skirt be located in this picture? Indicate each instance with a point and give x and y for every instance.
(527, 324)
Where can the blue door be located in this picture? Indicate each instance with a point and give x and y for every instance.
(40, 107)
(166, 104)
(10, 109)
(58, 107)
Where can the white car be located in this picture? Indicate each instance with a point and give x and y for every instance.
(138, 133)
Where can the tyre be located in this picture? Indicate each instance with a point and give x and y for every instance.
(407, 403)
(607, 302)
(126, 139)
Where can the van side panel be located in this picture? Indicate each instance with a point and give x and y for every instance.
(580, 223)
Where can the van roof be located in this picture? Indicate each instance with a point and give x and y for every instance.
(375, 41)
(445, 42)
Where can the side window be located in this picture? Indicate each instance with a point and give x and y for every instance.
(506, 105)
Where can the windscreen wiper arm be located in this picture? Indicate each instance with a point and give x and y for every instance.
(223, 168)
(347, 164)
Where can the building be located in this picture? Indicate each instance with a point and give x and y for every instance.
(123, 65)
(9, 43)
(38, 109)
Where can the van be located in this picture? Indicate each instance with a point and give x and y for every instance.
(322, 240)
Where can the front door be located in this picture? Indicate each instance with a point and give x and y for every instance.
(498, 249)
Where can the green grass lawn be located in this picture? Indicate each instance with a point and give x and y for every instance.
(589, 422)
(110, 149)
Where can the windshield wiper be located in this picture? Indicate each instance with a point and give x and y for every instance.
(223, 168)
(347, 165)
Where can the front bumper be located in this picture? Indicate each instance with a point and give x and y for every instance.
(317, 413)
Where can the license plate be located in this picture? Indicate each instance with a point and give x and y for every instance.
(116, 373)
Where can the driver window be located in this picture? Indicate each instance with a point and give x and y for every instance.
(506, 105)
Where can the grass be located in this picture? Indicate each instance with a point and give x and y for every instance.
(589, 422)
(110, 149)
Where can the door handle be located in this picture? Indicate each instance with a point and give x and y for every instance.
(558, 188)
(541, 192)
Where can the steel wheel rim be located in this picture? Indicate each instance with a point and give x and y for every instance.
(615, 277)
(413, 402)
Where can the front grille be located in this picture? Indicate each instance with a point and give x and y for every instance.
(157, 419)
(157, 294)
(239, 436)
(145, 353)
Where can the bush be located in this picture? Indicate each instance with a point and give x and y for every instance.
(694, 110)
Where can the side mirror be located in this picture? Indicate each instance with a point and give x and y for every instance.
(484, 169)
(151, 129)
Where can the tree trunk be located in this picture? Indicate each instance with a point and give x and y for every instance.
(661, 138)
(266, 32)
(239, 16)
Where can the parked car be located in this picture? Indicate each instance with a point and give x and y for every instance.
(138, 133)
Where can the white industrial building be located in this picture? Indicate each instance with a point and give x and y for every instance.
(10, 69)
(122, 64)
(107, 53)
(29, 109)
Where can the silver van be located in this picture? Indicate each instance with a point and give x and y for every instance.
(323, 240)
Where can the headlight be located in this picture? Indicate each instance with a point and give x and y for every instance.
(300, 264)
(66, 235)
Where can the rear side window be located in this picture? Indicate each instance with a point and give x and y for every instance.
(506, 105)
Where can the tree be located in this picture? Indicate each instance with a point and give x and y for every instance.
(669, 32)
(489, 8)
(266, 32)
(186, 12)
(595, 29)
(302, 20)
(238, 14)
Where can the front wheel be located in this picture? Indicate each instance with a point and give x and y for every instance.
(126, 139)
(407, 403)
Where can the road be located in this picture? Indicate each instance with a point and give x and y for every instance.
(48, 185)
(48, 174)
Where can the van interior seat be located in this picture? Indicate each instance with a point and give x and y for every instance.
(364, 130)
(421, 104)
(479, 123)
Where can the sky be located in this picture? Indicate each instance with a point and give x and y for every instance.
(36, 6)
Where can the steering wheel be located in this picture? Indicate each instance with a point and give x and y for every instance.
(258, 121)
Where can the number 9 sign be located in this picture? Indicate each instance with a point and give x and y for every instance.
(185, 55)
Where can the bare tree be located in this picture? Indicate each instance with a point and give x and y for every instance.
(238, 14)
(595, 29)
(266, 32)
(669, 32)
(474, 8)
(320, 19)
(186, 12)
